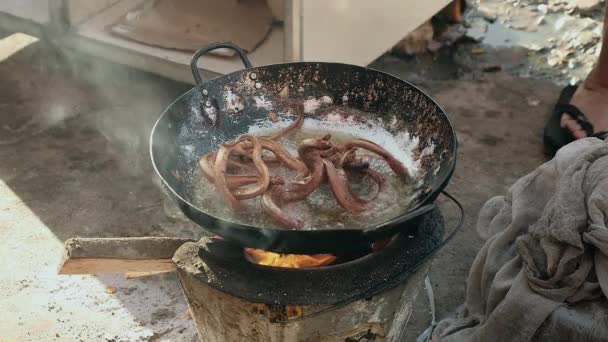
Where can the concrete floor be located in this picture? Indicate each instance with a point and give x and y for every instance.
(73, 162)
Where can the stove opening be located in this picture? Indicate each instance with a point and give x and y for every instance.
(267, 258)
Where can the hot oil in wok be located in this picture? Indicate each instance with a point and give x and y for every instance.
(320, 210)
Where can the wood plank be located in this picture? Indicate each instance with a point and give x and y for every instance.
(102, 266)
(120, 255)
(124, 248)
(137, 275)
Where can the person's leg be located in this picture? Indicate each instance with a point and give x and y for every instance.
(592, 96)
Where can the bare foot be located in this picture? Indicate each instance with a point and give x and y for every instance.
(592, 99)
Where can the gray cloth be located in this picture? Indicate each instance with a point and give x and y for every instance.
(547, 245)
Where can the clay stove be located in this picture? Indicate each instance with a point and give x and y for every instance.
(369, 298)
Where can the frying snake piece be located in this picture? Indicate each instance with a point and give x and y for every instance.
(206, 164)
(338, 183)
(316, 157)
(281, 154)
(261, 168)
(308, 150)
(350, 162)
(208, 160)
(296, 124)
(379, 179)
(237, 181)
(275, 212)
(219, 172)
(392, 162)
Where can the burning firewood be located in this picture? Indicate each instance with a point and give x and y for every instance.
(266, 258)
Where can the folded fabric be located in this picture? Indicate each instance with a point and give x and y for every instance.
(547, 246)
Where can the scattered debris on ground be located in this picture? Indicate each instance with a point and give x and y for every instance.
(563, 38)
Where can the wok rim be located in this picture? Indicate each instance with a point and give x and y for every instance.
(432, 194)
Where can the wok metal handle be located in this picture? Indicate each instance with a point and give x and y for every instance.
(222, 45)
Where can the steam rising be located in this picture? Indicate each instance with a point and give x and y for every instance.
(130, 102)
(78, 93)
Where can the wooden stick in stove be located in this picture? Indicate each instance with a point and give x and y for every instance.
(135, 257)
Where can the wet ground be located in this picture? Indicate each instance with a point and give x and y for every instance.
(74, 162)
(563, 38)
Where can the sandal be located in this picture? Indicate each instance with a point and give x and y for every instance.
(555, 135)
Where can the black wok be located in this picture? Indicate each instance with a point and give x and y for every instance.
(221, 109)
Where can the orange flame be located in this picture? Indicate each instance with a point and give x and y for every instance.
(262, 257)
